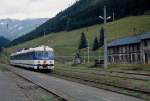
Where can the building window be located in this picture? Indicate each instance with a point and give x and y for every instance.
(121, 50)
(133, 58)
(116, 50)
(122, 59)
(145, 43)
(110, 51)
(110, 59)
(138, 47)
(124, 49)
(139, 58)
(133, 49)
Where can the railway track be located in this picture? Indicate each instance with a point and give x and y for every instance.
(105, 83)
(46, 83)
(119, 74)
(132, 72)
(123, 89)
(108, 86)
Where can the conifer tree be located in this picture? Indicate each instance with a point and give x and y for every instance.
(83, 41)
(95, 44)
(101, 39)
(0, 49)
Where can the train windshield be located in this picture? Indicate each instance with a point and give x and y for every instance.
(45, 55)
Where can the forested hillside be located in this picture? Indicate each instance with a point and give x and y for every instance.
(85, 13)
(3, 42)
(66, 43)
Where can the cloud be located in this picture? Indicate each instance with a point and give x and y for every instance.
(21, 9)
(34, 0)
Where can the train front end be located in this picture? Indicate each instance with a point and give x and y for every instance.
(44, 59)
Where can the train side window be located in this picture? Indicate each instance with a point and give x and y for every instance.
(29, 56)
(26, 56)
(32, 55)
(19, 57)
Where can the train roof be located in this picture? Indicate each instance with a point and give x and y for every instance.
(40, 48)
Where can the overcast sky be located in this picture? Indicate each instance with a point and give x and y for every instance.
(22, 9)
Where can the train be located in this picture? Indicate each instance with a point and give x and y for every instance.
(38, 58)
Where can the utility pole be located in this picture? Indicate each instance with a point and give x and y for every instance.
(7, 26)
(88, 48)
(105, 40)
(105, 18)
(88, 52)
(44, 32)
(113, 16)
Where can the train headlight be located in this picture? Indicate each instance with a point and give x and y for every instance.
(45, 62)
(39, 62)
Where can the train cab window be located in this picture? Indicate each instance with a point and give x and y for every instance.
(44, 54)
(39, 54)
(51, 55)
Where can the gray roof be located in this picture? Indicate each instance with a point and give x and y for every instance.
(129, 40)
(145, 36)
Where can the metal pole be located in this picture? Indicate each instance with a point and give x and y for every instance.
(44, 33)
(113, 16)
(105, 16)
(88, 51)
(105, 39)
(88, 54)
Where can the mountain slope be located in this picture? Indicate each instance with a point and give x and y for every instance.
(86, 13)
(12, 29)
(3, 41)
(66, 43)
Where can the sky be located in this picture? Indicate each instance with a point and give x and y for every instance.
(23, 9)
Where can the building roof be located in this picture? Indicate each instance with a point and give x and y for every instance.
(145, 36)
(129, 40)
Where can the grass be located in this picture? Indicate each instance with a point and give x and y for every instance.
(4, 60)
(76, 73)
(3, 68)
(48, 98)
(66, 43)
(85, 72)
(112, 67)
(134, 67)
(4, 57)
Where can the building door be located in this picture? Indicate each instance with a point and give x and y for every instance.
(146, 58)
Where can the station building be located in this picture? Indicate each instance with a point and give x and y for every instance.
(130, 50)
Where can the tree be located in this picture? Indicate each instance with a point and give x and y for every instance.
(95, 44)
(0, 49)
(101, 39)
(83, 41)
(68, 24)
